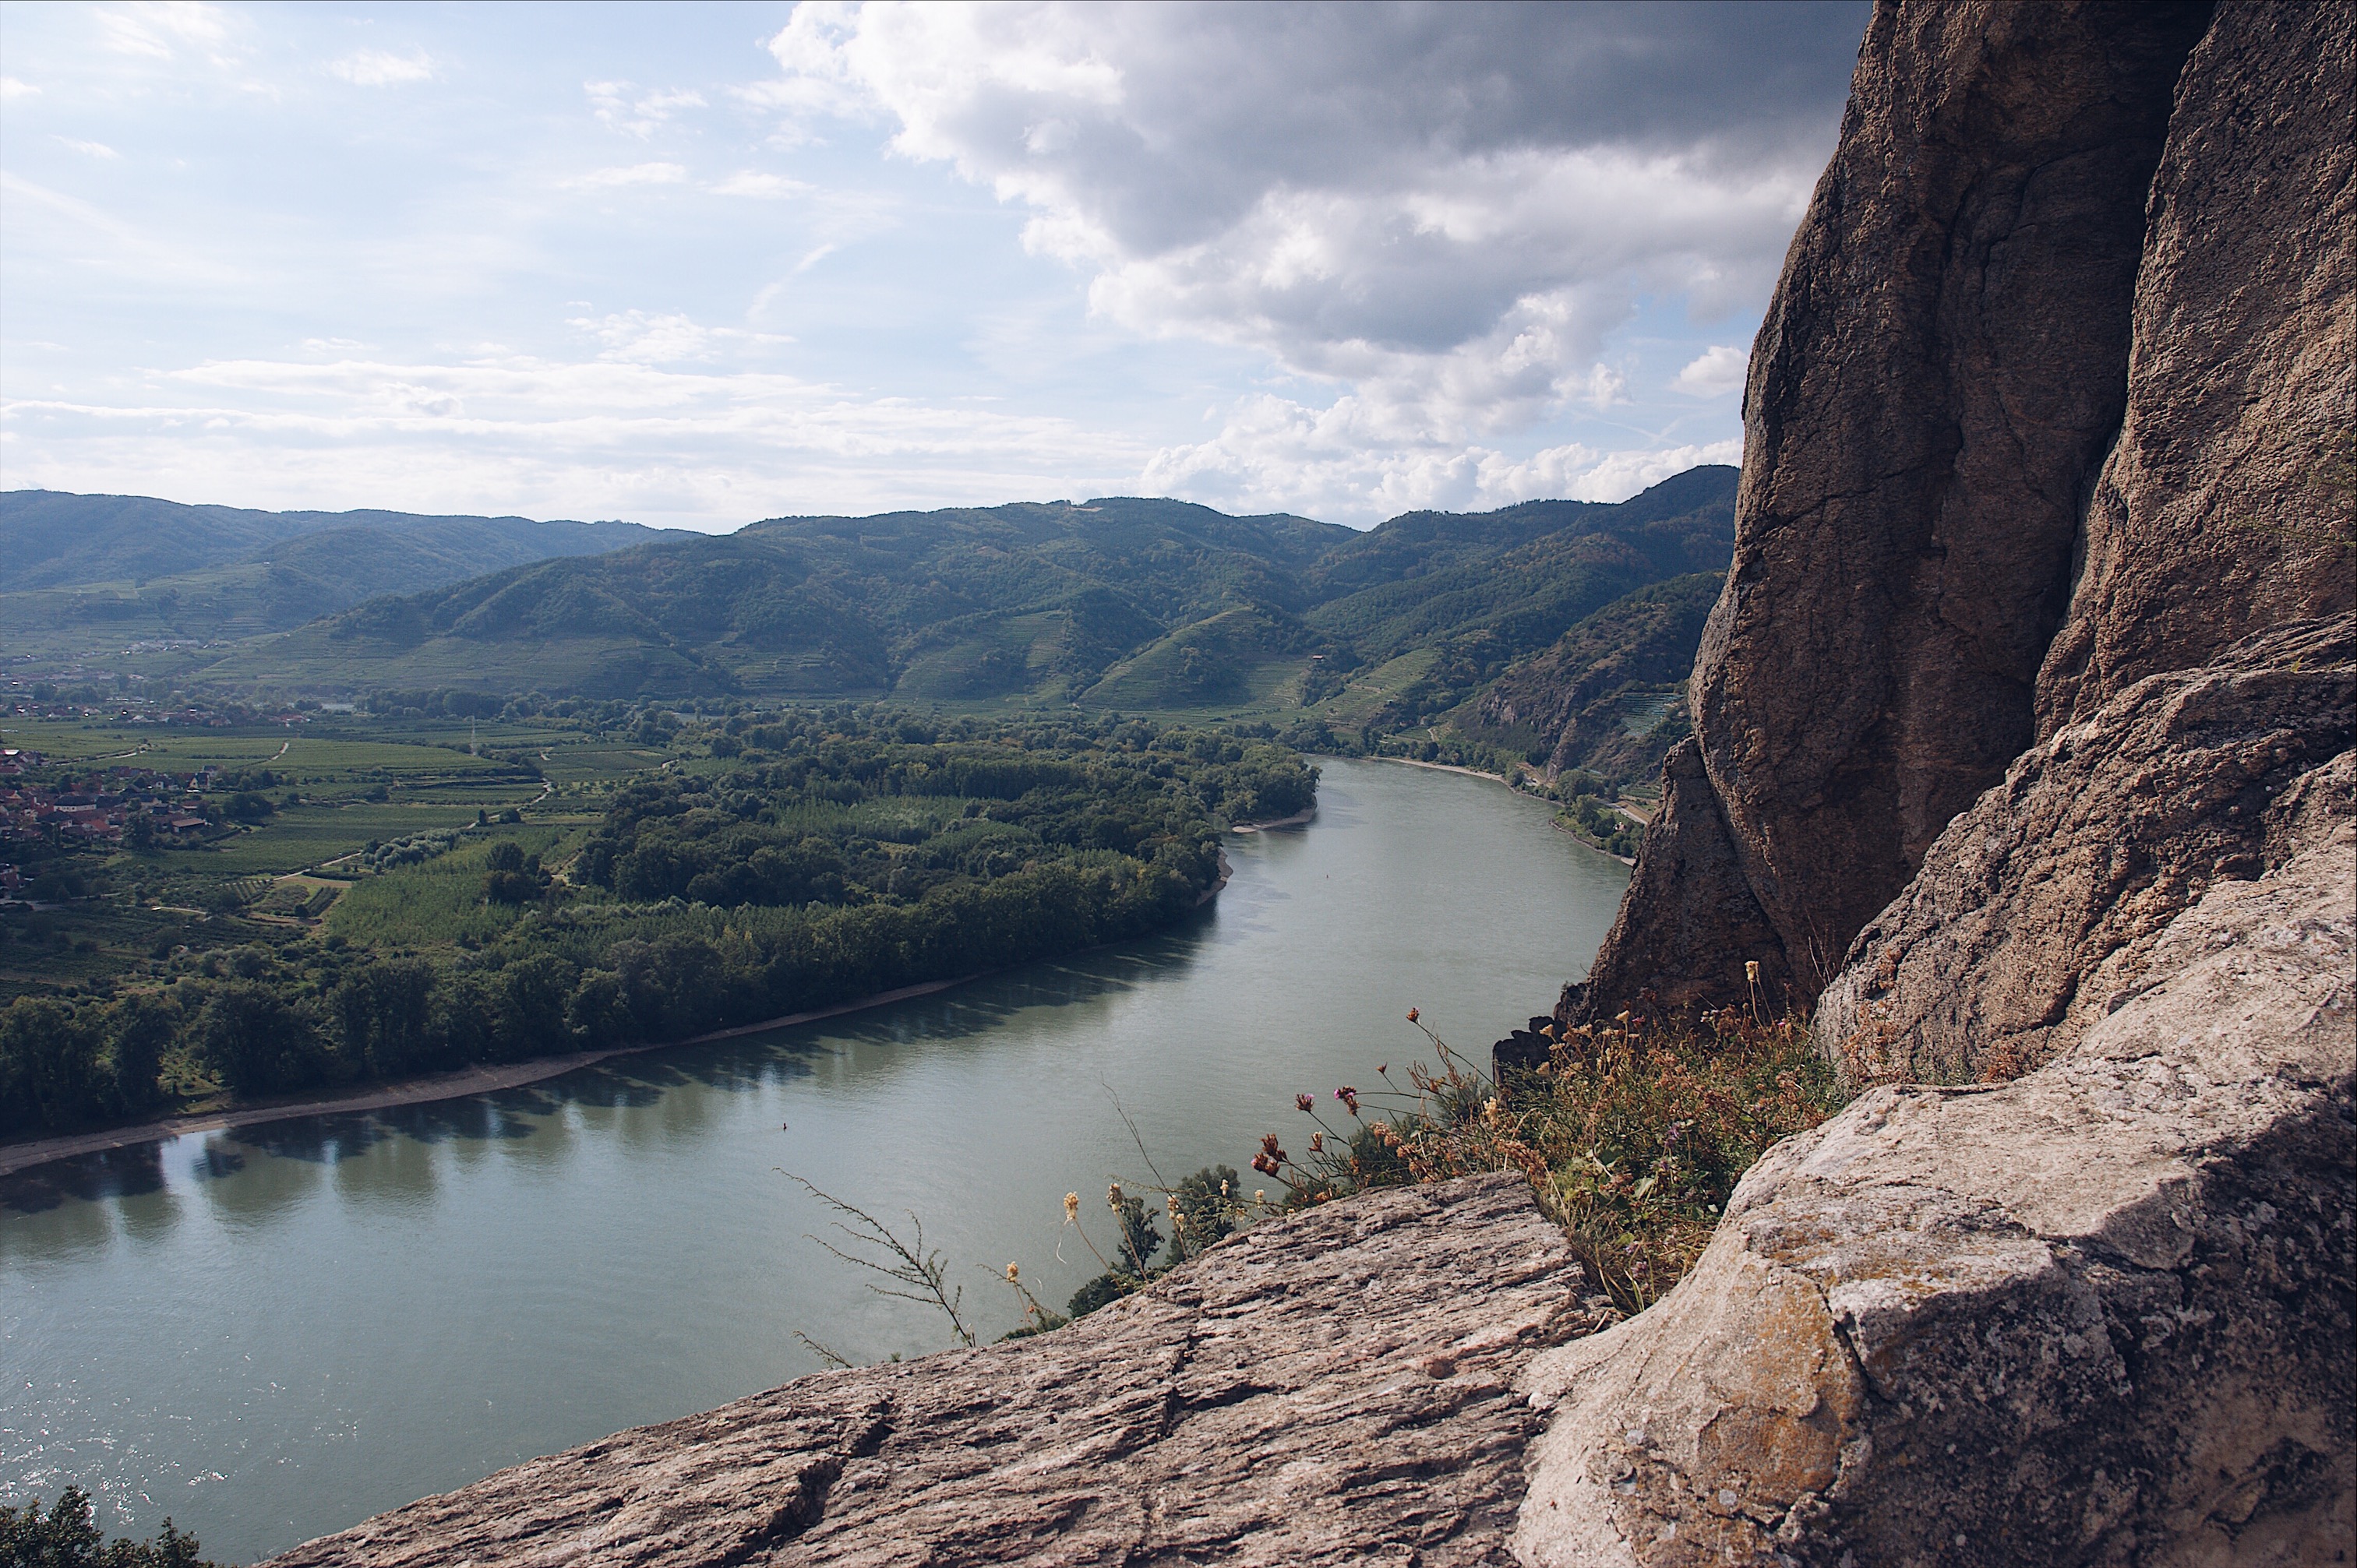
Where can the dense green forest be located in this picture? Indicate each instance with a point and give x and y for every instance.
(780, 861)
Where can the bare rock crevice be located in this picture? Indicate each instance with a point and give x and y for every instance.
(1336, 1388)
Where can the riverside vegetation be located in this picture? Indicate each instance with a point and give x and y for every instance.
(771, 862)
(1632, 1134)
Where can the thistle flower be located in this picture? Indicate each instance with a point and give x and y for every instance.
(1071, 1207)
(1411, 1014)
(1349, 1099)
(1303, 1101)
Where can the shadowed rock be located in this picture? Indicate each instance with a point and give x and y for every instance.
(1332, 1387)
(1935, 384)
(2214, 516)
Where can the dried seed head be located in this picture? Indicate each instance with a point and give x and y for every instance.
(1260, 1194)
(1751, 970)
(1071, 1207)
(1411, 1014)
(1014, 1275)
(1113, 1194)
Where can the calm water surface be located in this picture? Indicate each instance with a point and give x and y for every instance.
(273, 1333)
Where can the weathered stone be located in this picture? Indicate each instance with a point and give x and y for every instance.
(2102, 1314)
(2038, 911)
(1938, 376)
(1332, 1387)
(1689, 920)
(2208, 523)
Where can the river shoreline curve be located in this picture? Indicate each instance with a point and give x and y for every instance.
(457, 1085)
(465, 1082)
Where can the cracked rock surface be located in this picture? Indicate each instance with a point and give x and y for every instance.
(1335, 1387)
(2100, 1314)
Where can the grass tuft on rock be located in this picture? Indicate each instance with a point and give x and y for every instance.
(1633, 1132)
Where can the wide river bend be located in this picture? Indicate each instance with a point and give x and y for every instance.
(272, 1333)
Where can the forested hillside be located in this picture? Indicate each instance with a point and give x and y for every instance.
(1140, 604)
(89, 573)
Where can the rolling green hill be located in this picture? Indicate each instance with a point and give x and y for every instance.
(1143, 605)
(81, 573)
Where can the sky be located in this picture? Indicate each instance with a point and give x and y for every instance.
(693, 266)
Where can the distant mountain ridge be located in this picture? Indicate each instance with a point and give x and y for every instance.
(1137, 602)
(137, 566)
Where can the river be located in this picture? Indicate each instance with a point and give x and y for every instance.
(272, 1332)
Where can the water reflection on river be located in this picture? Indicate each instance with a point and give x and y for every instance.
(275, 1332)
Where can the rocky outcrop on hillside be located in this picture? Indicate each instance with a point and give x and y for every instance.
(1978, 328)
(1334, 1387)
(2098, 1315)
(2039, 911)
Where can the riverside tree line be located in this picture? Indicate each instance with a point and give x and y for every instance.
(809, 862)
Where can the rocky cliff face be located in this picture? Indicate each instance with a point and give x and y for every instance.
(2098, 1315)
(1976, 311)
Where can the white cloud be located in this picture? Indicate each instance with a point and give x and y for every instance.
(633, 174)
(621, 106)
(1716, 372)
(600, 438)
(87, 149)
(11, 90)
(650, 337)
(1351, 462)
(767, 187)
(1442, 213)
(376, 67)
(160, 29)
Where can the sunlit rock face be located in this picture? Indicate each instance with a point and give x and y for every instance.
(1334, 1387)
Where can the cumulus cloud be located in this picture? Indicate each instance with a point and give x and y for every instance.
(1444, 210)
(1715, 372)
(1347, 463)
(376, 67)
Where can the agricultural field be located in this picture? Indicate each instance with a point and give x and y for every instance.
(104, 917)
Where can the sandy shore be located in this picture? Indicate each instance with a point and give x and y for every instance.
(15, 1157)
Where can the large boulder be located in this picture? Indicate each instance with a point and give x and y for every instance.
(2099, 1314)
(1334, 1387)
